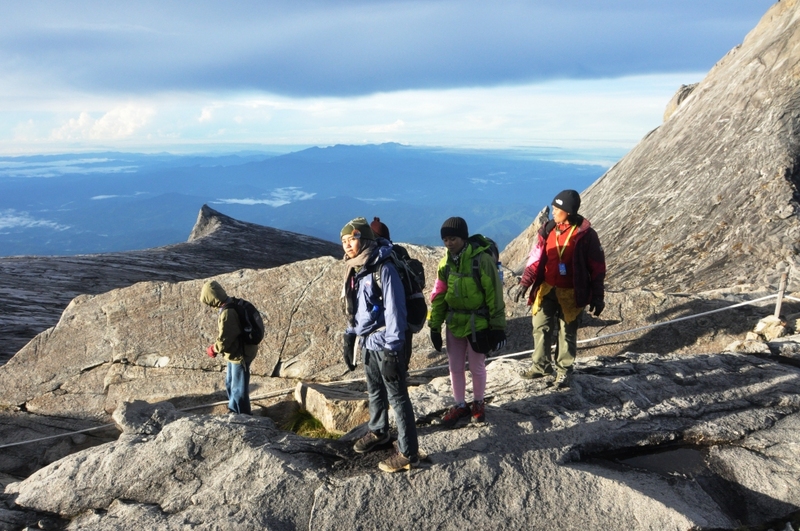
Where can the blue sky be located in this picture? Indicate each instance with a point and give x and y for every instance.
(587, 76)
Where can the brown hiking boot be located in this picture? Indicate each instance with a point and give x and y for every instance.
(562, 381)
(399, 462)
(370, 441)
(534, 373)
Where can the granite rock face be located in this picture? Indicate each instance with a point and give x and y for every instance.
(36, 289)
(147, 342)
(710, 198)
(540, 451)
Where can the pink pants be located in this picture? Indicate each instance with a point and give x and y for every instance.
(458, 350)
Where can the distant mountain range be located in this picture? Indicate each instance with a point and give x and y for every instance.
(104, 202)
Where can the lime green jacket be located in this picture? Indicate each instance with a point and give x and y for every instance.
(458, 301)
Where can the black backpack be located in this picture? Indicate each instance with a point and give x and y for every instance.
(249, 319)
(412, 273)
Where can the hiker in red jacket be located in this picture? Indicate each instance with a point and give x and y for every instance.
(566, 270)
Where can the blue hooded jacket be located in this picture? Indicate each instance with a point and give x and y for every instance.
(380, 311)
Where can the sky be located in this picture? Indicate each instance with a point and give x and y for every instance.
(588, 76)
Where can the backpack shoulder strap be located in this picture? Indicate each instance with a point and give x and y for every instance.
(476, 273)
(376, 277)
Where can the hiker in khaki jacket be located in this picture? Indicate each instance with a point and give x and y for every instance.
(229, 343)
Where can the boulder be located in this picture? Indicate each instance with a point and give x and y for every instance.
(338, 408)
(770, 328)
(683, 92)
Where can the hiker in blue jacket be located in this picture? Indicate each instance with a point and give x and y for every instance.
(377, 327)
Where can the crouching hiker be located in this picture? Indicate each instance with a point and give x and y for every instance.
(377, 324)
(232, 346)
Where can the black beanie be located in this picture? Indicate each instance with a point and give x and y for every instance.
(455, 227)
(569, 201)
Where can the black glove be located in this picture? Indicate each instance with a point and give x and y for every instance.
(519, 292)
(436, 339)
(497, 339)
(389, 366)
(348, 350)
(597, 306)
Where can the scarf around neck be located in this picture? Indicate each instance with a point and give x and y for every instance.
(352, 267)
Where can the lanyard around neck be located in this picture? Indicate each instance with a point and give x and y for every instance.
(559, 248)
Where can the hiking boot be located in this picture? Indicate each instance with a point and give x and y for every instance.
(533, 373)
(398, 462)
(478, 413)
(454, 414)
(562, 381)
(370, 441)
(421, 454)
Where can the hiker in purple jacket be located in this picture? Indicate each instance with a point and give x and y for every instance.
(377, 328)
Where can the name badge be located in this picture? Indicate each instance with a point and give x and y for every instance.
(562, 269)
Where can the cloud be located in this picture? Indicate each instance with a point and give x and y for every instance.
(387, 128)
(278, 197)
(605, 114)
(377, 199)
(56, 168)
(206, 114)
(122, 122)
(357, 47)
(466, 73)
(118, 123)
(11, 219)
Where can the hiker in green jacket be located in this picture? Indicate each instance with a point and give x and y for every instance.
(468, 297)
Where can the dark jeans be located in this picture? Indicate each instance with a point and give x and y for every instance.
(382, 394)
(237, 384)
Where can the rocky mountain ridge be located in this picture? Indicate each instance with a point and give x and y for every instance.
(36, 289)
(710, 198)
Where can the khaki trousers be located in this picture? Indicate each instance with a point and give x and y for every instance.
(545, 322)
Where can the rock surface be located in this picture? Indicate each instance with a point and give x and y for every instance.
(34, 290)
(710, 198)
(147, 341)
(542, 460)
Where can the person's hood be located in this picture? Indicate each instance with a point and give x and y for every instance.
(213, 294)
(381, 252)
